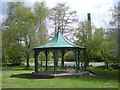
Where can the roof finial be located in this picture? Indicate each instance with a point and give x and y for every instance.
(58, 28)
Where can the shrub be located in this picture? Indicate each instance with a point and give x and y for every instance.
(69, 56)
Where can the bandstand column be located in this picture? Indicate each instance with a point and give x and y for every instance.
(76, 54)
(55, 61)
(36, 61)
(85, 59)
(62, 63)
(46, 54)
(78, 60)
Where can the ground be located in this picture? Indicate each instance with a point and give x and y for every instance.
(51, 63)
(19, 77)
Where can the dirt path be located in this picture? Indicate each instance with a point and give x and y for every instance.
(70, 64)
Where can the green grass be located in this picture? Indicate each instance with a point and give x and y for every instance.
(19, 77)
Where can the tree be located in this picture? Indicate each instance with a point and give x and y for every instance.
(33, 27)
(84, 38)
(11, 45)
(25, 20)
(41, 12)
(99, 45)
(23, 28)
(103, 46)
(114, 29)
(63, 17)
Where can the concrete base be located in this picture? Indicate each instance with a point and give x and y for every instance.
(60, 74)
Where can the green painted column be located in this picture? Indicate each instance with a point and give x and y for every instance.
(62, 63)
(55, 61)
(82, 62)
(46, 54)
(78, 60)
(36, 61)
(76, 54)
(85, 60)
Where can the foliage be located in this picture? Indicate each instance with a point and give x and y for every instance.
(99, 45)
(69, 56)
(84, 38)
(11, 46)
(50, 56)
(26, 29)
(104, 46)
(41, 12)
(114, 29)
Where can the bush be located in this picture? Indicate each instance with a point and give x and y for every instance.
(42, 56)
(115, 66)
(50, 56)
(69, 56)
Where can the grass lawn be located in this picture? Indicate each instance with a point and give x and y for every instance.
(18, 77)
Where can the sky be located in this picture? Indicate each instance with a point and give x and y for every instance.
(99, 9)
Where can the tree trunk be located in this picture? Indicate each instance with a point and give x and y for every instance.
(105, 60)
(27, 58)
(107, 64)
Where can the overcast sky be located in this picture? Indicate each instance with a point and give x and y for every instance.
(99, 9)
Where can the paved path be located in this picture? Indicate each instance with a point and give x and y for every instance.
(71, 64)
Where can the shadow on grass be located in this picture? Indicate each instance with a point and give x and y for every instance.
(29, 76)
(102, 74)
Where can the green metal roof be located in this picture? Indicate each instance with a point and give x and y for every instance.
(59, 41)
